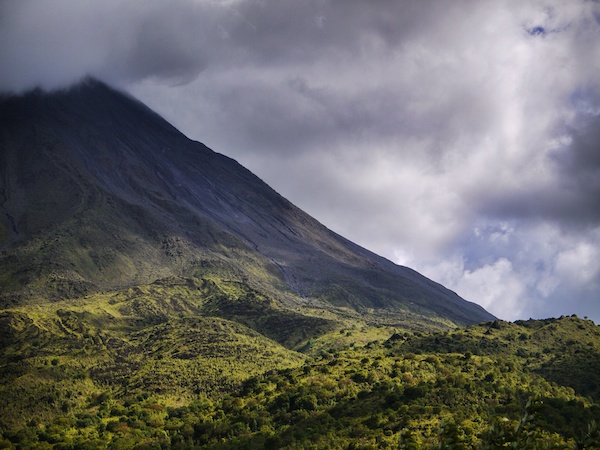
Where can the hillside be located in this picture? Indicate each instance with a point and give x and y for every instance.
(99, 193)
(529, 384)
(149, 286)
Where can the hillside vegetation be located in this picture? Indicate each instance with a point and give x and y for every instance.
(182, 363)
(155, 294)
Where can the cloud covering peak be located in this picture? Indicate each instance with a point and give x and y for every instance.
(459, 138)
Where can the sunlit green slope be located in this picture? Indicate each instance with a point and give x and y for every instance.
(495, 385)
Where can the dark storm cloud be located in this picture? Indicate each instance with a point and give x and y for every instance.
(459, 138)
(582, 161)
(581, 169)
(573, 198)
(57, 41)
(54, 43)
(166, 44)
(286, 30)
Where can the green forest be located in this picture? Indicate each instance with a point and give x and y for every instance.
(204, 363)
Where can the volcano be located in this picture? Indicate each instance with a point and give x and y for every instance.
(99, 193)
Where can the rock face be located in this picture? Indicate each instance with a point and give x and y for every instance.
(97, 192)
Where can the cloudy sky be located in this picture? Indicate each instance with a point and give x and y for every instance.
(460, 138)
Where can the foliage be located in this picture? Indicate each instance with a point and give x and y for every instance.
(467, 388)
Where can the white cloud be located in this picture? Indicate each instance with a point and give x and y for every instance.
(579, 265)
(521, 270)
(496, 287)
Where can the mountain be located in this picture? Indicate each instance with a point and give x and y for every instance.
(156, 294)
(99, 193)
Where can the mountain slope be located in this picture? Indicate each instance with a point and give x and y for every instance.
(97, 192)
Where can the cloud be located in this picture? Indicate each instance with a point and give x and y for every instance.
(55, 43)
(496, 286)
(524, 269)
(459, 138)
